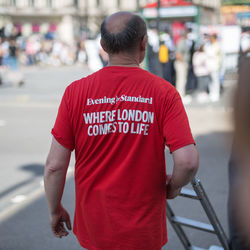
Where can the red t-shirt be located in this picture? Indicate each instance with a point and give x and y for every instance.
(119, 120)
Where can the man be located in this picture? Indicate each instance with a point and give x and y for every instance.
(239, 171)
(181, 64)
(213, 61)
(244, 43)
(154, 65)
(168, 64)
(118, 120)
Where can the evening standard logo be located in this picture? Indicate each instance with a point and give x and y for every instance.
(122, 98)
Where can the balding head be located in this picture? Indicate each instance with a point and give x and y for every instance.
(122, 32)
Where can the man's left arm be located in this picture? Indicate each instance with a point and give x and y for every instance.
(54, 180)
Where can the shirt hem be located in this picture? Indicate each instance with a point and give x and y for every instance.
(181, 145)
(90, 247)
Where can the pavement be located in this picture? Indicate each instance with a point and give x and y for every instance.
(26, 117)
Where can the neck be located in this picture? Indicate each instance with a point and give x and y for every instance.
(124, 60)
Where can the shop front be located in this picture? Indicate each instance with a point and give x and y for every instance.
(237, 14)
(174, 16)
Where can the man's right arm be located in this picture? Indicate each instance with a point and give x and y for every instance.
(186, 162)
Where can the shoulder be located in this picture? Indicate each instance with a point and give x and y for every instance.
(82, 83)
(75, 86)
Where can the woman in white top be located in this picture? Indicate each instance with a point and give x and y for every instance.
(201, 71)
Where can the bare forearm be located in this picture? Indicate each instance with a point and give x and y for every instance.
(186, 161)
(54, 182)
(182, 175)
(55, 174)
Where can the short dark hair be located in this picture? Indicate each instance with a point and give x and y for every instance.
(125, 40)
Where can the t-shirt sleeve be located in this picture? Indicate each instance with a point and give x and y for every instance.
(176, 129)
(62, 130)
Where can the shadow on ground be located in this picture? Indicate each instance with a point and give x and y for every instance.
(35, 169)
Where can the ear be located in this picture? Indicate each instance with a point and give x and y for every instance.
(101, 42)
(143, 44)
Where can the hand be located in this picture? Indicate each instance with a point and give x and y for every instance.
(172, 191)
(57, 221)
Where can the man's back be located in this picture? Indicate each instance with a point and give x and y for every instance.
(121, 118)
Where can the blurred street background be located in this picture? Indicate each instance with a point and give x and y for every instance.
(45, 45)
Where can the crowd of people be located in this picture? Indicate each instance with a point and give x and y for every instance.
(37, 49)
(41, 50)
(194, 68)
(190, 66)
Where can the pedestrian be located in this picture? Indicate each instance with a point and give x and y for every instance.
(154, 65)
(167, 60)
(214, 60)
(182, 55)
(239, 167)
(5, 52)
(244, 43)
(238, 200)
(236, 236)
(191, 85)
(118, 120)
(12, 61)
(202, 73)
(30, 51)
(1, 51)
(1, 56)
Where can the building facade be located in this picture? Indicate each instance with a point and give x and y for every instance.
(68, 18)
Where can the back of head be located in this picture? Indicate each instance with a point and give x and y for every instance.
(122, 32)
